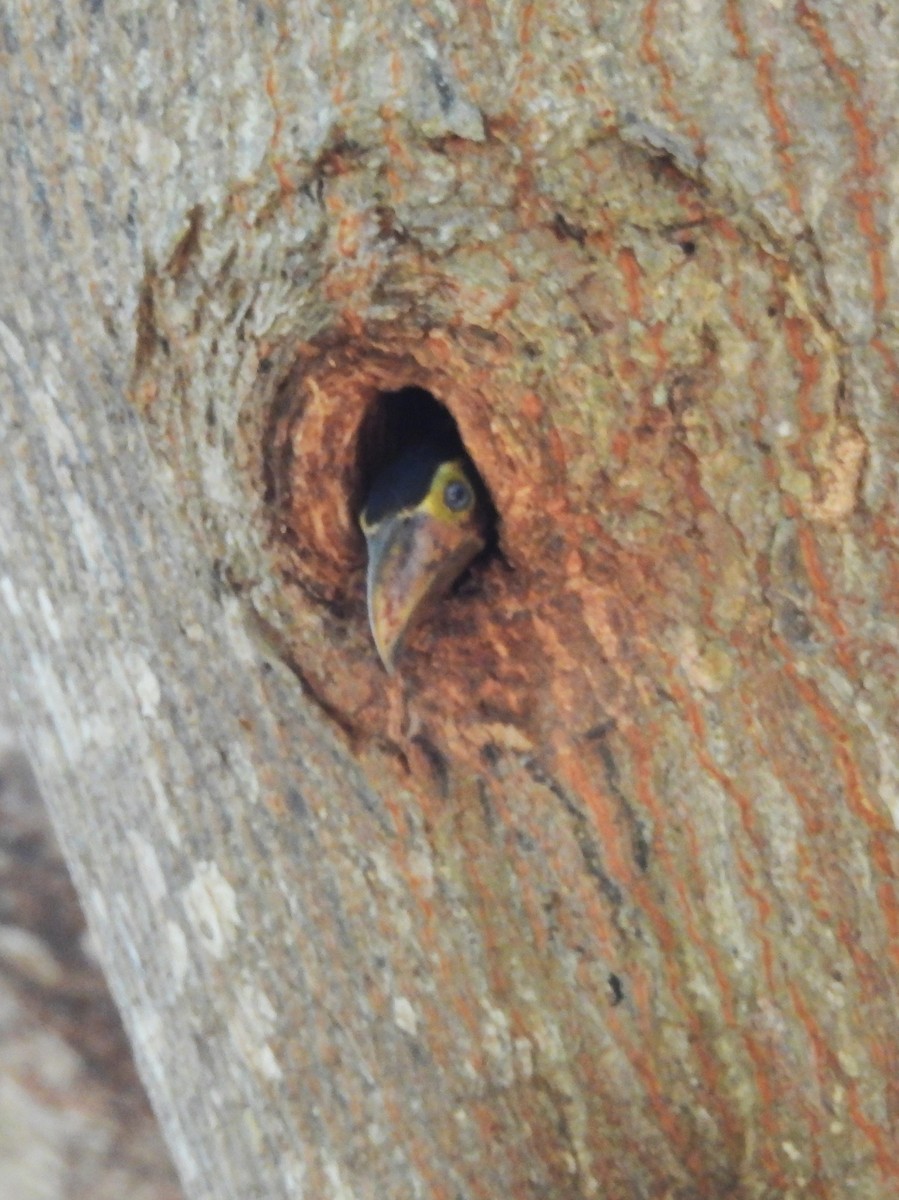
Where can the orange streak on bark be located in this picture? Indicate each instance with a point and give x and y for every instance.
(271, 90)
(809, 373)
(808, 810)
(677, 1133)
(725, 228)
(348, 234)
(618, 859)
(626, 1135)
(865, 159)
(620, 446)
(846, 764)
(285, 183)
(744, 807)
(510, 300)
(619, 862)
(531, 407)
(760, 1056)
(655, 336)
(823, 597)
(394, 143)
(887, 895)
(690, 203)
(873, 981)
(821, 1053)
(816, 1037)
(771, 1095)
(630, 269)
(884, 1145)
(532, 904)
(605, 816)
(650, 54)
(396, 72)
(826, 1063)
(733, 19)
(889, 359)
(645, 1067)
(763, 907)
(713, 1076)
(790, 506)
(526, 27)
(782, 137)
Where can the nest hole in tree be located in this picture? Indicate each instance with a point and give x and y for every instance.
(342, 411)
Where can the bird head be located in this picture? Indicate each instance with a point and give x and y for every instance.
(424, 519)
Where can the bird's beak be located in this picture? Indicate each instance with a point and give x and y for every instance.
(413, 559)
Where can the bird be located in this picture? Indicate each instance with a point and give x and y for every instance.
(425, 518)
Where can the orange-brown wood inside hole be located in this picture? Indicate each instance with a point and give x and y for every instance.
(323, 441)
(481, 663)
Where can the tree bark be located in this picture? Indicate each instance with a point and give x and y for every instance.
(597, 896)
(74, 1120)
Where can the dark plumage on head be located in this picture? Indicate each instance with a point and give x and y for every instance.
(404, 483)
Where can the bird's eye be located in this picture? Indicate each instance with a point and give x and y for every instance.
(457, 496)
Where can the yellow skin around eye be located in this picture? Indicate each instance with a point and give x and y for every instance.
(434, 503)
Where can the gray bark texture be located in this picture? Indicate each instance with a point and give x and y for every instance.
(74, 1120)
(596, 897)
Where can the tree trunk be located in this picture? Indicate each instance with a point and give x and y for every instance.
(597, 895)
(74, 1119)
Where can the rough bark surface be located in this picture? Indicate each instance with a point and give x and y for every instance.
(74, 1120)
(598, 897)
